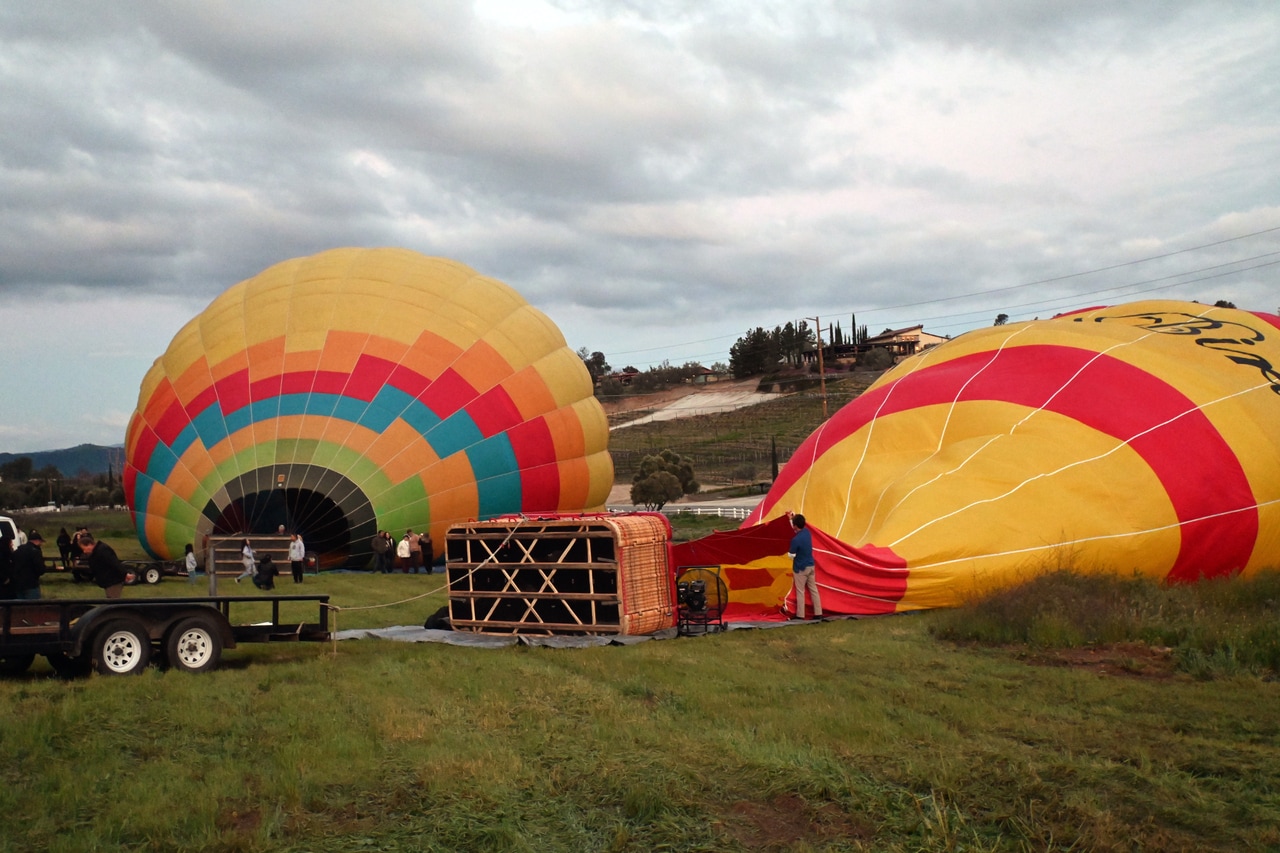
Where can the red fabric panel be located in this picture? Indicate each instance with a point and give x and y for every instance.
(493, 411)
(532, 443)
(368, 377)
(449, 393)
(409, 381)
(172, 422)
(233, 391)
(540, 488)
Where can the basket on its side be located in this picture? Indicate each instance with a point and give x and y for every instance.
(572, 574)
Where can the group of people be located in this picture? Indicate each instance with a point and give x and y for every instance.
(413, 553)
(263, 571)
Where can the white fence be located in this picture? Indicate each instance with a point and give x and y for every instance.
(735, 512)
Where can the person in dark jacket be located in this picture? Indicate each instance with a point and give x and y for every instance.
(6, 563)
(107, 570)
(64, 547)
(28, 566)
(267, 571)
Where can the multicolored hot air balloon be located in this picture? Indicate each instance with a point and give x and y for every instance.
(1137, 438)
(357, 390)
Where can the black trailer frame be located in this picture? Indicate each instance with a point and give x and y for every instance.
(118, 636)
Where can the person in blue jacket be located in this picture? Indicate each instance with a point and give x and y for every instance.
(801, 553)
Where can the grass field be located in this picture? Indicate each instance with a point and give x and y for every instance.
(873, 734)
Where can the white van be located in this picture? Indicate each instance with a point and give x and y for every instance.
(15, 533)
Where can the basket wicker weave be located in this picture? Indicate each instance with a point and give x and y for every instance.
(580, 574)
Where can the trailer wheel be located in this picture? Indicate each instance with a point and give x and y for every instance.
(122, 647)
(152, 574)
(194, 645)
(15, 664)
(68, 667)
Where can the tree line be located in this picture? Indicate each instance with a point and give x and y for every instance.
(22, 485)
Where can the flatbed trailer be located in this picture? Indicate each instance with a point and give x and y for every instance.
(122, 636)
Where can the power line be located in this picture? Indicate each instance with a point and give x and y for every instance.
(1014, 287)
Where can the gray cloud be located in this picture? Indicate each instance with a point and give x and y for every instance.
(660, 176)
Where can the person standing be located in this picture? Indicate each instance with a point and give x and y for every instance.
(381, 544)
(64, 547)
(402, 551)
(104, 565)
(428, 551)
(415, 553)
(247, 559)
(193, 565)
(802, 567)
(28, 566)
(297, 554)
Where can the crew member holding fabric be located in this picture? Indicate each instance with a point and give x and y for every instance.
(801, 553)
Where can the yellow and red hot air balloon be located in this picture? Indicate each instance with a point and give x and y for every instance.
(357, 390)
(1136, 438)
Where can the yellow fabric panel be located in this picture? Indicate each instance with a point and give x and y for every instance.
(266, 308)
(301, 360)
(481, 367)
(342, 350)
(235, 362)
(222, 327)
(566, 432)
(780, 583)
(387, 349)
(594, 425)
(193, 381)
(185, 350)
(317, 305)
(431, 355)
(600, 479)
(565, 375)
(530, 395)
(266, 359)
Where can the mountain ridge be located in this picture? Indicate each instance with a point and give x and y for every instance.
(81, 460)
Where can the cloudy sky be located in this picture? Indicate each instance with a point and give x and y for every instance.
(658, 176)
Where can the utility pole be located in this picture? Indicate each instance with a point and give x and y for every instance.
(822, 373)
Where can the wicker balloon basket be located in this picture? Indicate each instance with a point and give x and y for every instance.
(580, 574)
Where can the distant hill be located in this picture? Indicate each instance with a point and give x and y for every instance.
(73, 461)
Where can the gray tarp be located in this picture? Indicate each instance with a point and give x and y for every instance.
(416, 634)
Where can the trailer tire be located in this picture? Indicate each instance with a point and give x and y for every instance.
(122, 647)
(15, 664)
(194, 645)
(152, 574)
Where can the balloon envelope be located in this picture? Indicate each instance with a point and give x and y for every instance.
(1137, 438)
(357, 390)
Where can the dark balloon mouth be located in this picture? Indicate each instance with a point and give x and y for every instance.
(330, 512)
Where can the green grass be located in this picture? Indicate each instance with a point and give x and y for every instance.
(1214, 628)
(856, 735)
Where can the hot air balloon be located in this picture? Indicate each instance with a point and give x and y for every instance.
(358, 390)
(1137, 438)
